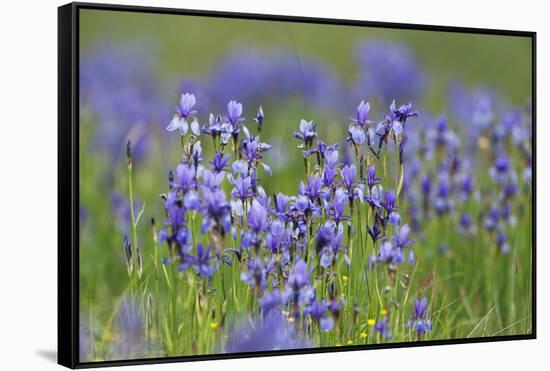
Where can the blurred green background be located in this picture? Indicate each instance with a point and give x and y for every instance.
(192, 45)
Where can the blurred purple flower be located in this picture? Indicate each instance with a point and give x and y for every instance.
(389, 70)
(271, 332)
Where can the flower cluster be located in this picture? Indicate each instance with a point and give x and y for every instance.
(442, 171)
(279, 240)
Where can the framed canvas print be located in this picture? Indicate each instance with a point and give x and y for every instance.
(237, 185)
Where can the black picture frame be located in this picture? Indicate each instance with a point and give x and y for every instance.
(68, 180)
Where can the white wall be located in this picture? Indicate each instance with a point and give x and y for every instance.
(28, 180)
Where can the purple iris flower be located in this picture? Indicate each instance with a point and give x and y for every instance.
(388, 253)
(419, 317)
(180, 236)
(383, 327)
(195, 155)
(361, 114)
(183, 112)
(242, 188)
(443, 202)
(216, 211)
(214, 126)
(302, 206)
(335, 305)
(389, 202)
(219, 162)
(324, 237)
(403, 112)
(356, 135)
(175, 210)
(420, 308)
(336, 209)
(191, 200)
(509, 190)
(272, 300)
(466, 187)
(275, 235)
(281, 203)
(253, 150)
(371, 262)
(411, 257)
(201, 263)
(185, 108)
(186, 259)
(401, 237)
(298, 279)
(312, 189)
(185, 178)
(387, 127)
(318, 310)
(502, 164)
(394, 218)
(211, 179)
(382, 131)
(329, 242)
(394, 124)
(328, 153)
(501, 169)
(228, 131)
(348, 176)
(375, 232)
(258, 272)
(490, 221)
(234, 112)
(374, 196)
(465, 222)
(257, 217)
(179, 239)
(331, 156)
(307, 132)
(328, 175)
(259, 118)
(372, 180)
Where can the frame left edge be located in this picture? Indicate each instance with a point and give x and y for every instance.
(67, 224)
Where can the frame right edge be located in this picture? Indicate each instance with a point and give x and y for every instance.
(534, 185)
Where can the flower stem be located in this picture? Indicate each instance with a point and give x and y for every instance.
(134, 225)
